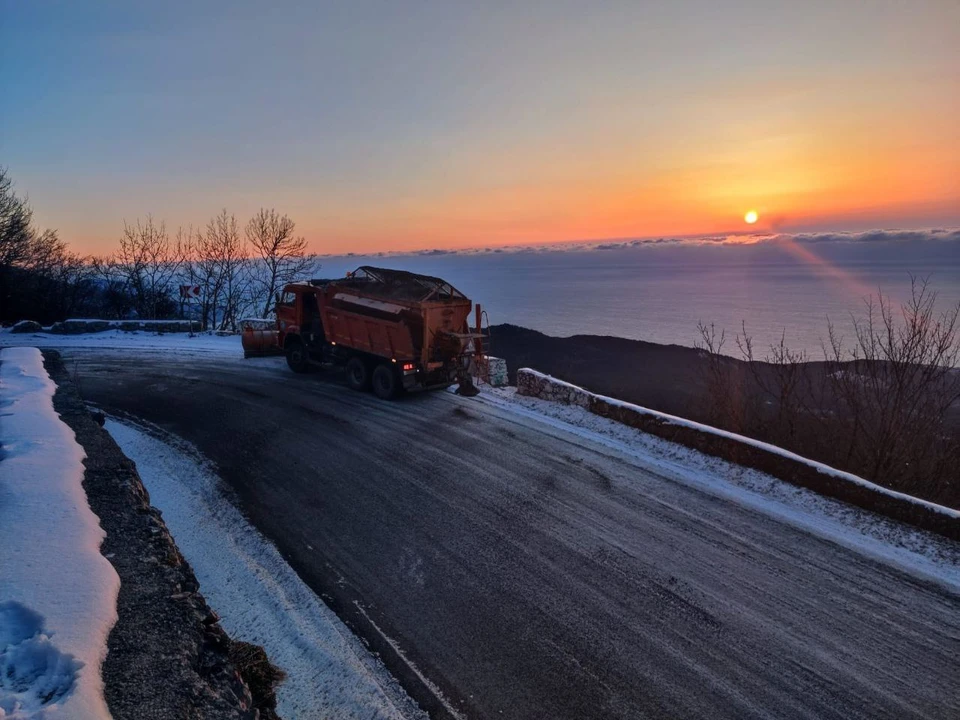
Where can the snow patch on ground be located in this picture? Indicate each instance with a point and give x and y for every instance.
(181, 343)
(34, 673)
(58, 594)
(258, 596)
(922, 554)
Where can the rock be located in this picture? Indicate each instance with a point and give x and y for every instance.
(260, 675)
(27, 326)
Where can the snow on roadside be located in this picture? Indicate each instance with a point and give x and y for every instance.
(181, 343)
(259, 597)
(58, 594)
(917, 552)
(759, 444)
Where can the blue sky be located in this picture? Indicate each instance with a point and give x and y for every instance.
(402, 125)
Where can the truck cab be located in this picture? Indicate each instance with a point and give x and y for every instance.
(298, 314)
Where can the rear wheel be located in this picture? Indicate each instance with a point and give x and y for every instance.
(297, 357)
(385, 383)
(358, 376)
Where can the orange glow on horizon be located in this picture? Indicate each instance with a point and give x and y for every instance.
(540, 199)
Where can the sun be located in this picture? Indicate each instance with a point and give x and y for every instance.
(751, 217)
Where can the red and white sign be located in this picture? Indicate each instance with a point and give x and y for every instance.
(189, 291)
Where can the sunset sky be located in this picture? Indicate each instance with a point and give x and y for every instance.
(405, 125)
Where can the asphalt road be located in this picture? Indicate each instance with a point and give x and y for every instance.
(528, 573)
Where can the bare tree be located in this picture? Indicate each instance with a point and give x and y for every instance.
(896, 384)
(70, 285)
(209, 277)
(144, 268)
(218, 260)
(17, 235)
(784, 377)
(283, 255)
(39, 277)
(46, 251)
(724, 387)
(201, 269)
(188, 272)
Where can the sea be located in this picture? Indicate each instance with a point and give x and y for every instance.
(660, 292)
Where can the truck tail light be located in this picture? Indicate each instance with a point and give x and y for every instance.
(407, 367)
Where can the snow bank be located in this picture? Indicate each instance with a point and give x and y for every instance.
(58, 593)
(785, 464)
(179, 343)
(259, 597)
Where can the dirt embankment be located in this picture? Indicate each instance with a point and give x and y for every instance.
(167, 655)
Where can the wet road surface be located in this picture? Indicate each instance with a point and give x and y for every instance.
(526, 572)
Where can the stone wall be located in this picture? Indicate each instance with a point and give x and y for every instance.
(497, 371)
(491, 370)
(758, 456)
(535, 384)
(26, 326)
(76, 327)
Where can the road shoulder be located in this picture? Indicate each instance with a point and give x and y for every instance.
(167, 654)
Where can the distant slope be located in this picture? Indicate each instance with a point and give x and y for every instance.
(670, 378)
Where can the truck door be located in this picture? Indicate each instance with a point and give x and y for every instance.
(286, 309)
(311, 325)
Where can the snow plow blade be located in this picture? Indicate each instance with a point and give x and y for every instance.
(257, 343)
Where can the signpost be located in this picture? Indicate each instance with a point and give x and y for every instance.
(187, 292)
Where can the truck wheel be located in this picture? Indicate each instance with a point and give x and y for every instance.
(385, 383)
(358, 376)
(297, 357)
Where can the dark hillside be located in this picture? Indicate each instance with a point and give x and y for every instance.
(669, 378)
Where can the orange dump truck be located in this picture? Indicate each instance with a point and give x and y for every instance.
(392, 330)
